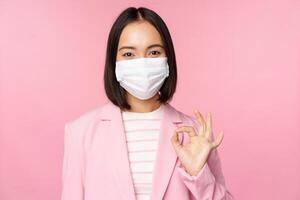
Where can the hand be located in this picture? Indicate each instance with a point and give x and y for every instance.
(194, 154)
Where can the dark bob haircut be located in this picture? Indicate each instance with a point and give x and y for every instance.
(117, 94)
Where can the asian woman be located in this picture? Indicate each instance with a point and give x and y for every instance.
(137, 145)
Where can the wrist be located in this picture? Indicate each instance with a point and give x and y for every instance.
(193, 171)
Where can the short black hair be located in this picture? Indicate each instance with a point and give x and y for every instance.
(117, 94)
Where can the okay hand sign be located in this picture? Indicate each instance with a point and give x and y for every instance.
(194, 154)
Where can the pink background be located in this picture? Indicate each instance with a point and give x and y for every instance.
(239, 60)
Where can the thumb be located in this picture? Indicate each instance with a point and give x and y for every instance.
(175, 141)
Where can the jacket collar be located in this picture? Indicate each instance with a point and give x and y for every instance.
(165, 158)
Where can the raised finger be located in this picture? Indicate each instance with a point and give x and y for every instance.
(201, 120)
(218, 140)
(209, 125)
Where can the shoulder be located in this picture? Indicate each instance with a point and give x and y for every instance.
(186, 118)
(81, 122)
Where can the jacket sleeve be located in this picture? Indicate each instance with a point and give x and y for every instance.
(209, 183)
(72, 183)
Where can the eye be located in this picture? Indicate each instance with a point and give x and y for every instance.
(126, 54)
(157, 53)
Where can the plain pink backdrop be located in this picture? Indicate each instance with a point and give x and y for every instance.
(239, 60)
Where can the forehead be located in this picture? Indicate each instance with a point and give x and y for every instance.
(139, 34)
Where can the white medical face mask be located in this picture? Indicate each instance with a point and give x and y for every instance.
(142, 77)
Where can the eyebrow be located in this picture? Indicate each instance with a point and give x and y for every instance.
(151, 46)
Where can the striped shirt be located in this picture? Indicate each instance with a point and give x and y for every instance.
(142, 136)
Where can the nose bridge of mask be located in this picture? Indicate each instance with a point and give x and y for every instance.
(139, 65)
(142, 64)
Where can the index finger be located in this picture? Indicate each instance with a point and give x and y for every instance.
(188, 129)
(201, 121)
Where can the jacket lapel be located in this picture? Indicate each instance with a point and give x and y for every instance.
(119, 162)
(166, 157)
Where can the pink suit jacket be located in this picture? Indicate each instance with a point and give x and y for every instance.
(96, 166)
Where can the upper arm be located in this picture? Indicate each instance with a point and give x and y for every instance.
(72, 173)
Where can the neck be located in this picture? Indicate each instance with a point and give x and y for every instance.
(138, 105)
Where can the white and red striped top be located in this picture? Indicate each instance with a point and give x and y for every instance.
(142, 135)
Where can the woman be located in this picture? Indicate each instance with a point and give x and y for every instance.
(138, 146)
